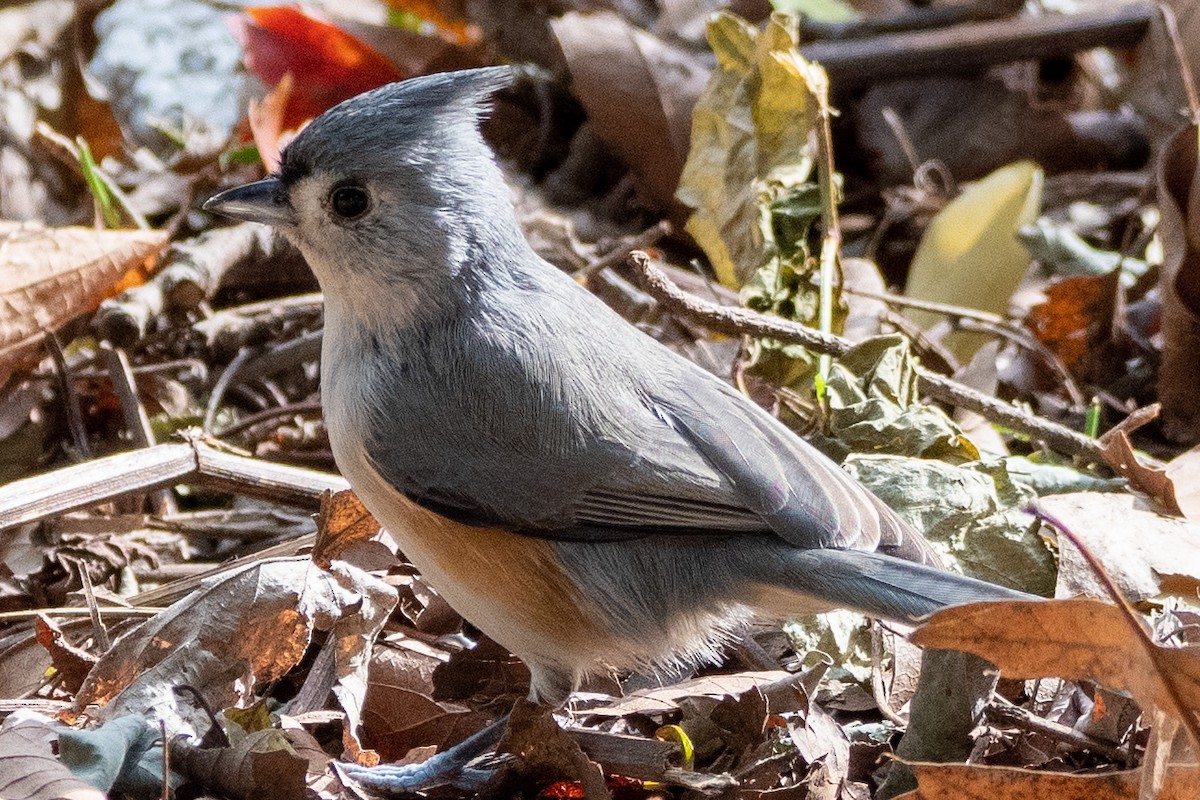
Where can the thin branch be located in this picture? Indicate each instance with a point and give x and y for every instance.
(618, 254)
(1002, 712)
(744, 322)
(987, 322)
(70, 397)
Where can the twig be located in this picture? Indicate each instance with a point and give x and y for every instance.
(106, 479)
(831, 243)
(76, 611)
(285, 355)
(1181, 60)
(224, 381)
(912, 20)
(137, 422)
(878, 690)
(249, 421)
(945, 309)
(70, 396)
(744, 322)
(856, 62)
(191, 272)
(103, 640)
(618, 254)
(1022, 338)
(1002, 712)
(974, 319)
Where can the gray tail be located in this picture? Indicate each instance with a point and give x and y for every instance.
(880, 585)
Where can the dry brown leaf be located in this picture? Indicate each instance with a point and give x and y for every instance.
(30, 771)
(248, 626)
(975, 782)
(1179, 284)
(638, 92)
(1079, 639)
(1184, 473)
(1145, 553)
(262, 765)
(50, 275)
(440, 732)
(400, 698)
(342, 522)
(1118, 453)
(72, 663)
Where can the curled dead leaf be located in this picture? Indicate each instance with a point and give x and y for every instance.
(50, 275)
(1079, 639)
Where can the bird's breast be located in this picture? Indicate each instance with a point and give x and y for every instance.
(510, 586)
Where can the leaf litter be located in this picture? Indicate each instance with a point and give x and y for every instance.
(268, 667)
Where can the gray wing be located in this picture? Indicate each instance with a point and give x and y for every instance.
(707, 460)
(612, 437)
(773, 479)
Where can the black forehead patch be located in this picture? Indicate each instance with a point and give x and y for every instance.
(292, 166)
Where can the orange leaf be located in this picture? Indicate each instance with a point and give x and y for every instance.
(328, 64)
(266, 121)
(342, 522)
(1076, 318)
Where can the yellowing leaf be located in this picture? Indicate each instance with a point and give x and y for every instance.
(751, 141)
(970, 255)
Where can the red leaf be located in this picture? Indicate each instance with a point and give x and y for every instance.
(328, 64)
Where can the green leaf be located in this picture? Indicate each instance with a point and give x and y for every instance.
(874, 407)
(247, 154)
(100, 193)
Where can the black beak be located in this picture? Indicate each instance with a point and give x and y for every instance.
(263, 201)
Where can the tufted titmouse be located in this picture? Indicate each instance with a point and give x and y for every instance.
(631, 507)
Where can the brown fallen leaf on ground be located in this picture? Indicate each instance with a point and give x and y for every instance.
(974, 782)
(72, 663)
(1079, 639)
(50, 275)
(1145, 553)
(245, 628)
(1117, 451)
(262, 765)
(638, 92)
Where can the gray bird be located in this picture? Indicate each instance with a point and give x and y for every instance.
(600, 501)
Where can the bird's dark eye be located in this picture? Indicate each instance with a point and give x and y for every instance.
(349, 202)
